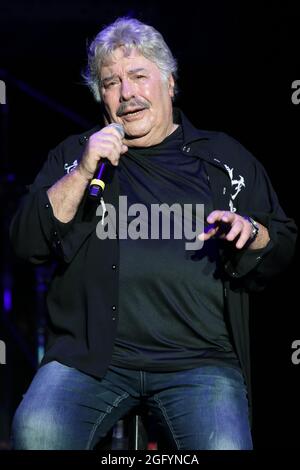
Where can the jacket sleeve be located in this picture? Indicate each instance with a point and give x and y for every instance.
(255, 268)
(36, 235)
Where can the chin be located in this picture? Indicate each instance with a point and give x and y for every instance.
(136, 131)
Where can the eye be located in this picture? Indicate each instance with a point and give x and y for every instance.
(110, 84)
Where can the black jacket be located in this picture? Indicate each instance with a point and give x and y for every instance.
(83, 296)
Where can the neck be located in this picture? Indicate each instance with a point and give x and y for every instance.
(149, 140)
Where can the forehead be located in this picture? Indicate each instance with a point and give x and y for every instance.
(119, 61)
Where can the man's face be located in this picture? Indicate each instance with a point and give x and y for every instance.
(135, 95)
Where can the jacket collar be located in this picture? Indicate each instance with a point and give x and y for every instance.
(198, 143)
(190, 133)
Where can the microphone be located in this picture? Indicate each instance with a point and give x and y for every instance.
(97, 184)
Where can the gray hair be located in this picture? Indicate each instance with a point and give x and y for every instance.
(129, 33)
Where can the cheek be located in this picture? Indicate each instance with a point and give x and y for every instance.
(111, 103)
(156, 94)
(151, 91)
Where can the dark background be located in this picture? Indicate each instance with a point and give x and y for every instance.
(237, 62)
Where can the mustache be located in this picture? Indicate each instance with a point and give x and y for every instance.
(134, 103)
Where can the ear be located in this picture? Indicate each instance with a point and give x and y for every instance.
(171, 85)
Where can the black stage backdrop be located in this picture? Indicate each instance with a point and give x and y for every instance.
(238, 73)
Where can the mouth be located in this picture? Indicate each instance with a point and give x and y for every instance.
(132, 114)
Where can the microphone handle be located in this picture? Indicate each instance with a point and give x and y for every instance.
(97, 185)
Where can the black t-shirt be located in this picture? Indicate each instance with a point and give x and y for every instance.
(171, 306)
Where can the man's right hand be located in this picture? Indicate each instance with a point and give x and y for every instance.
(106, 143)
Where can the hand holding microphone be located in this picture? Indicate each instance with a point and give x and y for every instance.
(104, 144)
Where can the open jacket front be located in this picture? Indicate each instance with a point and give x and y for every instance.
(83, 296)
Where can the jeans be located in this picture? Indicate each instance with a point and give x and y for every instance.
(204, 408)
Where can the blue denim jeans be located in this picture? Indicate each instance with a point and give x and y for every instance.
(197, 409)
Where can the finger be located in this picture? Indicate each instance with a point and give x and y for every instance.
(115, 157)
(113, 133)
(235, 230)
(204, 236)
(215, 216)
(124, 149)
(106, 138)
(245, 235)
(109, 148)
(228, 217)
(110, 141)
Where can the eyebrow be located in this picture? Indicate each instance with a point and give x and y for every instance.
(139, 69)
(130, 72)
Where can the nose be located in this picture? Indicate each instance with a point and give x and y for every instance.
(127, 90)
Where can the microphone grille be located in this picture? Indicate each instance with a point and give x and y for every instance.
(119, 128)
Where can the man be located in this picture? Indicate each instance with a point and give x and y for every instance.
(134, 319)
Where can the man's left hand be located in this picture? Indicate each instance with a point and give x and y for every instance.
(234, 228)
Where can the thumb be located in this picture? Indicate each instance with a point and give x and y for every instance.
(124, 149)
